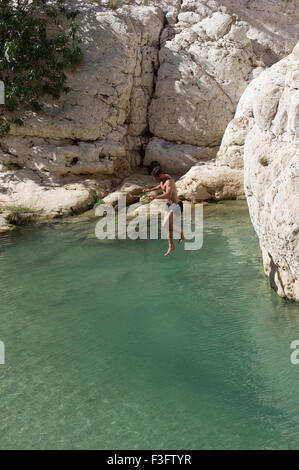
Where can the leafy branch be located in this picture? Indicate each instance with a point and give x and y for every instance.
(38, 41)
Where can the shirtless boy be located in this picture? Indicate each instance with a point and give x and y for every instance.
(167, 184)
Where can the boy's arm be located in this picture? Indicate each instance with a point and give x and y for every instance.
(166, 192)
(145, 190)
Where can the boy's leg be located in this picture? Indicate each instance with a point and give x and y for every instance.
(177, 227)
(166, 219)
(171, 246)
(177, 222)
(182, 231)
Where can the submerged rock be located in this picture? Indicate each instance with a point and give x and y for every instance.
(5, 226)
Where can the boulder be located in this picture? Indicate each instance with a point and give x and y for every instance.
(130, 188)
(5, 226)
(62, 196)
(208, 58)
(271, 167)
(176, 159)
(205, 182)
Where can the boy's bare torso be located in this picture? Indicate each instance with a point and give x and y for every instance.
(170, 184)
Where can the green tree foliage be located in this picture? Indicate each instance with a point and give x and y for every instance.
(38, 41)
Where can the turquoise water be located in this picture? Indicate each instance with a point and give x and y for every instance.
(109, 345)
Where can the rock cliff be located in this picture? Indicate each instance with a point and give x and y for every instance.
(160, 80)
(93, 135)
(271, 167)
(200, 86)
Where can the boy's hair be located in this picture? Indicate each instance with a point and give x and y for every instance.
(153, 165)
(157, 171)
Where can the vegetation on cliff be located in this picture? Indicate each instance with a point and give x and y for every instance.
(38, 41)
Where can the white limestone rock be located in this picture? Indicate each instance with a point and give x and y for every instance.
(231, 151)
(174, 69)
(60, 196)
(175, 158)
(217, 25)
(111, 90)
(171, 8)
(199, 84)
(208, 58)
(62, 157)
(232, 145)
(204, 182)
(271, 26)
(130, 188)
(271, 166)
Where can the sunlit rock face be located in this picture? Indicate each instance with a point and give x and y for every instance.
(206, 61)
(202, 75)
(83, 144)
(271, 167)
(209, 62)
(160, 80)
(95, 128)
(210, 182)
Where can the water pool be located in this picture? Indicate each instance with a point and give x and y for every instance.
(109, 345)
